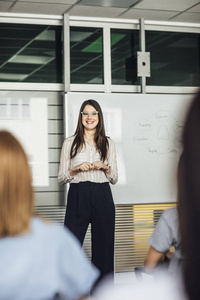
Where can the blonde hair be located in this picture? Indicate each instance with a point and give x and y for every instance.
(16, 195)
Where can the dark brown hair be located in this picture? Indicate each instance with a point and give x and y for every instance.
(100, 137)
(189, 201)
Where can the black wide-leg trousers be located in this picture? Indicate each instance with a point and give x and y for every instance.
(90, 202)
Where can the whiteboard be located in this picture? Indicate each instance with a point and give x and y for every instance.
(147, 132)
(26, 119)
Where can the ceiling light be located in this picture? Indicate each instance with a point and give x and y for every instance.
(47, 35)
(78, 36)
(12, 76)
(29, 59)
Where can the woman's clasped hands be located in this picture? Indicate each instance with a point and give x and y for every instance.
(86, 166)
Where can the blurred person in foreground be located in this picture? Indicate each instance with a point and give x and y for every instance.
(38, 260)
(165, 241)
(165, 236)
(185, 284)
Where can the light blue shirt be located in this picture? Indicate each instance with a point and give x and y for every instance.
(47, 261)
(166, 232)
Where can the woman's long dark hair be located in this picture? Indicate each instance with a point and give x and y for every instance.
(101, 140)
(189, 201)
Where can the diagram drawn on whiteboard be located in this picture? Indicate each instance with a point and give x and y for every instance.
(159, 134)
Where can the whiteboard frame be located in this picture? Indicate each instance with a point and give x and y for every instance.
(149, 101)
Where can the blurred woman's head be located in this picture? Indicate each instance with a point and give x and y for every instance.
(189, 200)
(16, 196)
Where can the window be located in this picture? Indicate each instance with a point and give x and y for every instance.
(86, 55)
(31, 53)
(124, 47)
(175, 58)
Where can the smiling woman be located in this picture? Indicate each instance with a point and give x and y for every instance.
(88, 163)
(89, 117)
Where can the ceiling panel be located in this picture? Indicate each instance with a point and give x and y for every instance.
(110, 3)
(161, 10)
(40, 8)
(4, 6)
(148, 14)
(188, 17)
(179, 5)
(56, 2)
(93, 11)
(195, 9)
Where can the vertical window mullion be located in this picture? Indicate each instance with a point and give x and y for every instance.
(107, 58)
(66, 38)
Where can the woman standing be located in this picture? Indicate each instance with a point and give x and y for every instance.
(88, 163)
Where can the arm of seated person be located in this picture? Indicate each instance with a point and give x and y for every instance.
(153, 258)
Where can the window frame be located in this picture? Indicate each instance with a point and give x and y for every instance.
(32, 19)
(107, 24)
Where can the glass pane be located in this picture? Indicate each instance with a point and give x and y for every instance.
(124, 47)
(30, 53)
(175, 58)
(86, 55)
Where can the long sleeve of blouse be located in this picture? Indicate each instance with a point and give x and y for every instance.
(89, 154)
(112, 162)
(65, 162)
